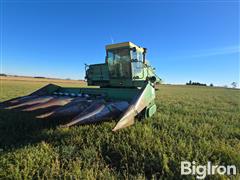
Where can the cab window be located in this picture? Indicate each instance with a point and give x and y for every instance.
(119, 63)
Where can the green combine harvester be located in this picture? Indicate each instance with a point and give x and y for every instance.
(125, 90)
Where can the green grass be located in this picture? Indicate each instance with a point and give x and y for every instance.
(191, 123)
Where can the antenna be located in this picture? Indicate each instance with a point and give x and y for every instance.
(112, 39)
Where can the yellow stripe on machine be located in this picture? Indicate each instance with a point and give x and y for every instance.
(124, 44)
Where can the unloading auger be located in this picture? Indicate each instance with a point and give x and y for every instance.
(126, 89)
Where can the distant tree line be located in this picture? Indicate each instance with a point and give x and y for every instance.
(233, 84)
(40, 77)
(196, 83)
(1, 74)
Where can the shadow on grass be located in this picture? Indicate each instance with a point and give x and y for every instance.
(18, 128)
(130, 164)
(112, 157)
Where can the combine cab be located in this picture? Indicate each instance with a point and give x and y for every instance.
(125, 90)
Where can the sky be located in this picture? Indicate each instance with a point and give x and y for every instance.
(186, 40)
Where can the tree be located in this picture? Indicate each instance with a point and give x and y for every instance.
(234, 84)
(211, 85)
(190, 83)
(195, 83)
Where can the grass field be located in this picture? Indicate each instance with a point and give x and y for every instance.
(192, 123)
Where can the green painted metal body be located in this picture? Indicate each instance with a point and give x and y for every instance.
(126, 66)
(98, 75)
(142, 98)
(125, 89)
(124, 73)
(108, 93)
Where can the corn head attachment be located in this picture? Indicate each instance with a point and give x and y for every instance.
(125, 90)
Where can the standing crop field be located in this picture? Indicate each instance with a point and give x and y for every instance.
(192, 123)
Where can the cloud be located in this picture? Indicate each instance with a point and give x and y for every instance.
(208, 52)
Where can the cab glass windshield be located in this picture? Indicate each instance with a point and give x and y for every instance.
(119, 63)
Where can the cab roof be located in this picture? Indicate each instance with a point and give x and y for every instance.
(124, 44)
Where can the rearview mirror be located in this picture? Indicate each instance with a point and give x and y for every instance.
(133, 49)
